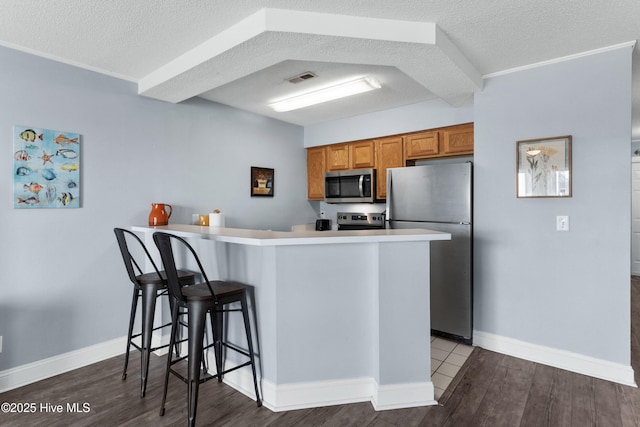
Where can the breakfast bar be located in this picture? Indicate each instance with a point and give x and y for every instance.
(340, 316)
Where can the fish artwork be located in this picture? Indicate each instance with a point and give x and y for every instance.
(30, 201)
(70, 167)
(30, 135)
(66, 153)
(46, 168)
(22, 155)
(65, 198)
(48, 174)
(34, 187)
(63, 140)
(23, 170)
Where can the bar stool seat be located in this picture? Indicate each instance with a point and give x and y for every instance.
(210, 296)
(148, 287)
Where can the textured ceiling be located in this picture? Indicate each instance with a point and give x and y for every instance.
(152, 41)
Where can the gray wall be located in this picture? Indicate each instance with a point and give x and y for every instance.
(63, 283)
(567, 290)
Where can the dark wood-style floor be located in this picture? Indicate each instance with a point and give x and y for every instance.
(490, 390)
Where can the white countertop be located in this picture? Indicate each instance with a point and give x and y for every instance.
(276, 238)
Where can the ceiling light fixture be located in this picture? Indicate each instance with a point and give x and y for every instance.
(329, 93)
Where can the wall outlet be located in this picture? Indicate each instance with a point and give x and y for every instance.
(562, 223)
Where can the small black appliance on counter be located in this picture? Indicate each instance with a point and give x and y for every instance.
(323, 224)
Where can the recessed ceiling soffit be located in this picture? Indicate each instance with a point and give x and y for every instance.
(421, 50)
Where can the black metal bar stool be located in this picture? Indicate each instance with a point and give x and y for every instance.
(208, 296)
(149, 287)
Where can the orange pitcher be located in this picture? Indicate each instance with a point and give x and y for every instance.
(158, 215)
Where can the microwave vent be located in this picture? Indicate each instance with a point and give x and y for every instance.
(302, 77)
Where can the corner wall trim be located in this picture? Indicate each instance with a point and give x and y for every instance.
(567, 360)
(630, 44)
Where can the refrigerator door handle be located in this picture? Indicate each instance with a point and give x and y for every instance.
(361, 185)
(389, 192)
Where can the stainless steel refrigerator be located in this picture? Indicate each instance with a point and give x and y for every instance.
(439, 197)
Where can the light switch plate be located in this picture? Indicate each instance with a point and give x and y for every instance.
(562, 223)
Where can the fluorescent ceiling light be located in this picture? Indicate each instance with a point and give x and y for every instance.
(340, 90)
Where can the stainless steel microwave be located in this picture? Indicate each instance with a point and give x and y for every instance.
(352, 186)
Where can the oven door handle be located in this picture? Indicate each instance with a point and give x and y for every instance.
(361, 185)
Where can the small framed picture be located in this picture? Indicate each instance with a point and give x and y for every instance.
(544, 167)
(262, 183)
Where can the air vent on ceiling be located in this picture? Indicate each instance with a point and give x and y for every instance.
(302, 77)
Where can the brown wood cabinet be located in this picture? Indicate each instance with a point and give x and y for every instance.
(337, 157)
(362, 154)
(457, 140)
(315, 172)
(421, 145)
(389, 154)
(384, 153)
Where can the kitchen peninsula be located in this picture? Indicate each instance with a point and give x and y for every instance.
(341, 316)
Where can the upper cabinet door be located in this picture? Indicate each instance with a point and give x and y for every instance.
(389, 154)
(421, 145)
(457, 140)
(315, 173)
(363, 154)
(338, 157)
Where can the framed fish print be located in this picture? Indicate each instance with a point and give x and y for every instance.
(46, 168)
(544, 167)
(261, 181)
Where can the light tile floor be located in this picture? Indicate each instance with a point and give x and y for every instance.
(446, 359)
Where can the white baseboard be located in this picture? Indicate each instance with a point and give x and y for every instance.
(324, 393)
(397, 396)
(287, 397)
(157, 340)
(52, 366)
(562, 359)
(46, 368)
(277, 398)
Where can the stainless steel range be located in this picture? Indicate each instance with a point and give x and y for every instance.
(360, 221)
